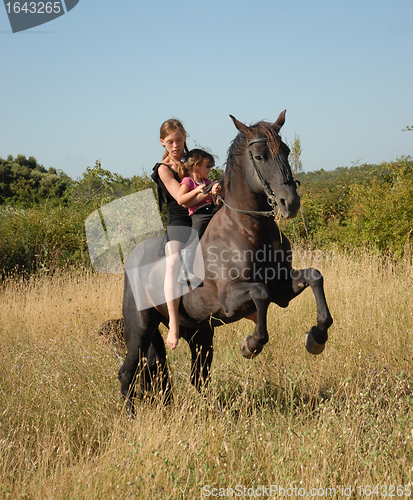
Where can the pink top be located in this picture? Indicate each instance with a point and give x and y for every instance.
(192, 185)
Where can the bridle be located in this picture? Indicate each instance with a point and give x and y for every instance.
(267, 188)
(271, 200)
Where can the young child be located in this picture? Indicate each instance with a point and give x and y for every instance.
(198, 163)
(196, 168)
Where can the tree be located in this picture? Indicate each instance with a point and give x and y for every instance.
(27, 182)
(216, 174)
(96, 183)
(295, 156)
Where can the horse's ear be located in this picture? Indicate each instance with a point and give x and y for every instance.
(241, 127)
(280, 121)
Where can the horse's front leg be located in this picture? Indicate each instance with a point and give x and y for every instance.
(317, 336)
(241, 296)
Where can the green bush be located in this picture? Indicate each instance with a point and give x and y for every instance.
(42, 238)
(367, 206)
(41, 234)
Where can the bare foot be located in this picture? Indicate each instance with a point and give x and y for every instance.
(172, 339)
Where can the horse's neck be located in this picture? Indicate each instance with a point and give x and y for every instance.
(241, 197)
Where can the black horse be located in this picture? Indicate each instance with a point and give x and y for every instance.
(247, 266)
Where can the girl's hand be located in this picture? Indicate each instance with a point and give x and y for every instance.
(199, 188)
(216, 189)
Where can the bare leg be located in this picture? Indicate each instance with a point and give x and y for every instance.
(173, 291)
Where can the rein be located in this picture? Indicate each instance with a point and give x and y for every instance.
(207, 189)
(249, 212)
(270, 213)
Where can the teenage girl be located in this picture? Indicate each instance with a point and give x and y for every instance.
(198, 163)
(168, 175)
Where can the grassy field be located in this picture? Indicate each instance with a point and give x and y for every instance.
(329, 426)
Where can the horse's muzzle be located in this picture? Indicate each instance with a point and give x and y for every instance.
(289, 205)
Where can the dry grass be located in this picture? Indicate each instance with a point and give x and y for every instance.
(287, 418)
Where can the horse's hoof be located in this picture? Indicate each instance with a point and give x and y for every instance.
(311, 345)
(246, 352)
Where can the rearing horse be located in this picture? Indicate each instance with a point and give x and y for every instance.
(247, 266)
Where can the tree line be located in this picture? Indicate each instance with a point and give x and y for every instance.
(42, 212)
(361, 206)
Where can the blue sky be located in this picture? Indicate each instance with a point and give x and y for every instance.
(98, 82)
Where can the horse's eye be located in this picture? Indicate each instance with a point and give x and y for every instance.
(258, 158)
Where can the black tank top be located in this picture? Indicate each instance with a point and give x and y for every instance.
(177, 214)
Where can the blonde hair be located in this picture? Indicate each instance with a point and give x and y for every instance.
(170, 126)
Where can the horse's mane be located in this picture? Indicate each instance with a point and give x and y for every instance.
(240, 143)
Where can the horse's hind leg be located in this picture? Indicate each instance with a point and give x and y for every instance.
(144, 360)
(155, 377)
(127, 376)
(317, 336)
(202, 352)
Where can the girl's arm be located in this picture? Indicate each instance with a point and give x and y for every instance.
(169, 181)
(189, 198)
(200, 197)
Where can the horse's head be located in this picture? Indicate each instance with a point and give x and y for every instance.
(264, 160)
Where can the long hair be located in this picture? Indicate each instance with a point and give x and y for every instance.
(170, 126)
